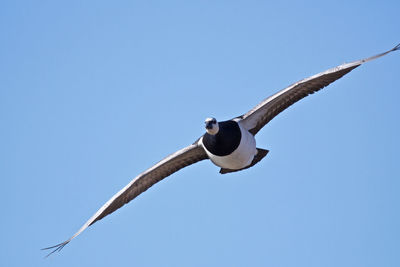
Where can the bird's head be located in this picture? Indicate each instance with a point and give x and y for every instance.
(212, 126)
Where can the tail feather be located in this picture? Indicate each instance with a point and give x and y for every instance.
(261, 153)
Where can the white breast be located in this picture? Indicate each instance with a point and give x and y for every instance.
(241, 157)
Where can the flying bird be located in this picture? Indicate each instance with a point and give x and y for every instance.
(230, 144)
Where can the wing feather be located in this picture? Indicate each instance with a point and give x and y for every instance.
(141, 183)
(264, 112)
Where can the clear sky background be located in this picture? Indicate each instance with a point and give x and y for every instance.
(94, 92)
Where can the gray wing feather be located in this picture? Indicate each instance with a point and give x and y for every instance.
(141, 183)
(264, 112)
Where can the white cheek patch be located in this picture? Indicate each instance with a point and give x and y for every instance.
(214, 130)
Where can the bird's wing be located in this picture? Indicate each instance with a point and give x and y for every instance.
(264, 112)
(142, 182)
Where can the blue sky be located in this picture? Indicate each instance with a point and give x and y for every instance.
(93, 93)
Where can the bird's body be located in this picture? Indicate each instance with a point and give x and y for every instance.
(229, 144)
(233, 147)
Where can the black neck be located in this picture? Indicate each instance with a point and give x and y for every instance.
(225, 141)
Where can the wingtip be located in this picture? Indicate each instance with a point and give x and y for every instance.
(397, 47)
(57, 247)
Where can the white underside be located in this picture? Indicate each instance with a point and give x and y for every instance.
(241, 157)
